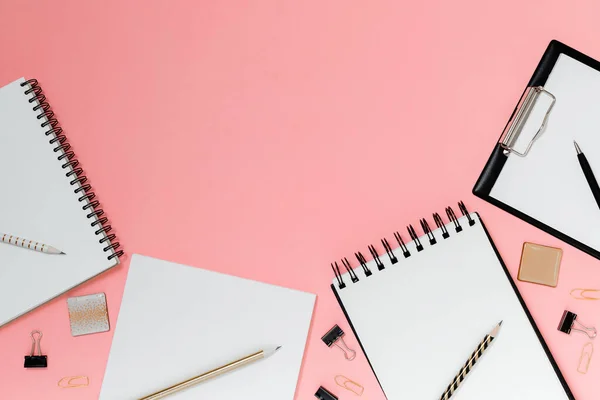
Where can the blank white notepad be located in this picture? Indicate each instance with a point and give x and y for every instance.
(419, 320)
(177, 322)
(547, 187)
(44, 193)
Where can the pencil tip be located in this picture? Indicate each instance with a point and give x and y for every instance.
(271, 351)
(496, 329)
(500, 323)
(577, 147)
(62, 252)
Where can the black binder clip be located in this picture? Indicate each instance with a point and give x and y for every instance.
(569, 319)
(33, 361)
(335, 337)
(324, 394)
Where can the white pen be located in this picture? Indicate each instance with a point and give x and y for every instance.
(28, 244)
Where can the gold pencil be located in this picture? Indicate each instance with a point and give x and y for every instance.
(212, 374)
(460, 377)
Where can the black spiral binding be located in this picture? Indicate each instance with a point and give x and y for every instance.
(388, 250)
(452, 217)
(403, 247)
(76, 172)
(440, 224)
(415, 238)
(375, 256)
(428, 232)
(363, 263)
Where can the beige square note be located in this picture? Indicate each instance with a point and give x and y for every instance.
(540, 264)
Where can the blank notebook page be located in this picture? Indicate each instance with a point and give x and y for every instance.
(38, 203)
(177, 322)
(420, 319)
(548, 184)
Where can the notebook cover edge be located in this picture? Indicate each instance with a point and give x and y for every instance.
(341, 304)
(549, 355)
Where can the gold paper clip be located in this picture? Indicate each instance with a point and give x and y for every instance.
(585, 358)
(349, 384)
(70, 382)
(582, 296)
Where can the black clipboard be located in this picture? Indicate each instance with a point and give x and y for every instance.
(497, 159)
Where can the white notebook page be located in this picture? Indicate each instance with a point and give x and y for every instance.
(177, 322)
(420, 319)
(548, 184)
(38, 203)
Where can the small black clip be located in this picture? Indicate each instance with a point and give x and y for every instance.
(33, 361)
(567, 322)
(335, 335)
(324, 394)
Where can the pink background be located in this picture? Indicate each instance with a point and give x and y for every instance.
(266, 139)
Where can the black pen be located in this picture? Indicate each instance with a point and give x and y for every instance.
(589, 175)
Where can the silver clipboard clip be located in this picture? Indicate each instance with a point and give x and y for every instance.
(520, 116)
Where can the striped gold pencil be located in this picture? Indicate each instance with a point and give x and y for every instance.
(487, 340)
(28, 244)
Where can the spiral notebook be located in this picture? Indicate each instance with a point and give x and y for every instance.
(47, 198)
(421, 308)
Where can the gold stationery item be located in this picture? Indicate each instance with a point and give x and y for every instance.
(540, 264)
(468, 367)
(585, 358)
(579, 294)
(88, 314)
(262, 354)
(69, 382)
(349, 384)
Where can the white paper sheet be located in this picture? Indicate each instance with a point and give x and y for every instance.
(177, 322)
